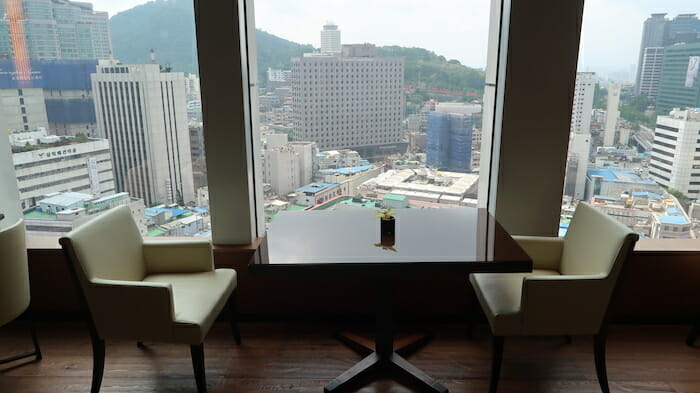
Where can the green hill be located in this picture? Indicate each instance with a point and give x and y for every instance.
(167, 26)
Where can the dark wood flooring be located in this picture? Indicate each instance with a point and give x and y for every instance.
(296, 357)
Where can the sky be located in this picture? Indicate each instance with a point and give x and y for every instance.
(456, 29)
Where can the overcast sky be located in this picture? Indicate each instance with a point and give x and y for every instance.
(456, 29)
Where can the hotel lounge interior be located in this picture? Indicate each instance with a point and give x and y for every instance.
(485, 300)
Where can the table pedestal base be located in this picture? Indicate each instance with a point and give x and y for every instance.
(404, 346)
(392, 364)
(384, 359)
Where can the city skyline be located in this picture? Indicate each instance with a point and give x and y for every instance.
(603, 19)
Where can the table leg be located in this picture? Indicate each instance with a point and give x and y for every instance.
(384, 356)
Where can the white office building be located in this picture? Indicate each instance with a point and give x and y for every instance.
(45, 169)
(290, 166)
(142, 111)
(582, 109)
(652, 60)
(350, 102)
(192, 88)
(612, 114)
(580, 136)
(330, 38)
(676, 145)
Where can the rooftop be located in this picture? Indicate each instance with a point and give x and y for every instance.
(394, 197)
(66, 199)
(347, 171)
(316, 187)
(152, 211)
(38, 215)
(677, 220)
(619, 175)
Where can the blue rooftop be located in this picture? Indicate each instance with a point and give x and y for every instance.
(152, 211)
(563, 228)
(619, 175)
(347, 171)
(673, 211)
(647, 194)
(678, 220)
(316, 187)
(610, 198)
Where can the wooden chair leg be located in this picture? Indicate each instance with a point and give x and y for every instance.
(599, 355)
(98, 364)
(197, 351)
(233, 317)
(496, 359)
(693, 335)
(37, 348)
(36, 353)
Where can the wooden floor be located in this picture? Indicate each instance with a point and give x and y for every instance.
(277, 357)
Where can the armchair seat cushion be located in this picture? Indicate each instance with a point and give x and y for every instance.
(501, 294)
(197, 300)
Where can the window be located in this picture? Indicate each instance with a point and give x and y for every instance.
(89, 131)
(393, 117)
(634, 129)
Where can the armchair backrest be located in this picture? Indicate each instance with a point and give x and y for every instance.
(595, 248)
(109, 247)
(592, 243)
(14, 274)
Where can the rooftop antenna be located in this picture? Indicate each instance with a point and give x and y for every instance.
(153, 56)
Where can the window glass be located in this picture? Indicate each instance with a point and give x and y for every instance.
(635, 126)
(101, 105)
(370, 110)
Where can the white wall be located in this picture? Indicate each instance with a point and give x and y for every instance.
(9, 194)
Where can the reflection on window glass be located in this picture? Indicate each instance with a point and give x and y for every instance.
(101, 105)
(634, 149)
(368, 110)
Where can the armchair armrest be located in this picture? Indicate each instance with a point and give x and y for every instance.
(545, 252)
(567, 304)
(130, 309)
(178, 256)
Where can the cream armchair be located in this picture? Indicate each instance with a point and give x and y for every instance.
(14, 283)
(164, 291)
(568, 291)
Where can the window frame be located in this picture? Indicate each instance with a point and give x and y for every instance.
(229, 96)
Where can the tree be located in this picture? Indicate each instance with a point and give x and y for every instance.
(682, 198)
(81, 137)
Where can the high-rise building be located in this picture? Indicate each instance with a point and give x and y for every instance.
(582, 108)
(652, 60)
(683, 28)
(199, 164)
(580, 135)
(449, 141)
(54, 94)
(54, 29)
(654, 34)
(142, 111)
(676, 145)
(330, 38)
(679, 86)
(612, 113)
(349, 102)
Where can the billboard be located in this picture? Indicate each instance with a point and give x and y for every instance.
(691, 77)
(48, 74)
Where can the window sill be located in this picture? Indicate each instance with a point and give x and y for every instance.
(644, 245)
